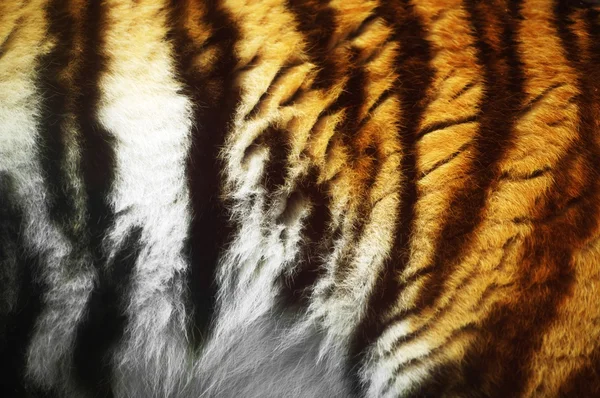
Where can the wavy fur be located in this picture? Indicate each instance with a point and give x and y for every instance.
(220, 198)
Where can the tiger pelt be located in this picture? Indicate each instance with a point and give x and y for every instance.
(299, 198)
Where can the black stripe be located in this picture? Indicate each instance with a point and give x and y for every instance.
(368, 21)
(469, 328)
(585, 381)
(539, 98)
(105, 319)
(499, 109)
(316, 21)
(379, 49)
(21, 295)
(450, 303)
(277, 141)
(97, 163)
(293, 98)
(586, 3)
(318, 240)
(442, 162)
(463, 90)
(439, 314)
(4, 46)
(351, 101)
(214, 101)
(414, 66)
(97, 144)
(295, 288)
(56, 94)
(280, 76)
(371, 112)
(254, 113)
(518, 325)
(527, 176)
(444, 124)
(364, 219)
(292, 287)
(503, 97)
(103, 325)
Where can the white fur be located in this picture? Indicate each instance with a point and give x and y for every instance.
(68, 279)
(140, 106)
(253, 350)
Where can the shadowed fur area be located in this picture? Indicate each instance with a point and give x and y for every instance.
(299, 198)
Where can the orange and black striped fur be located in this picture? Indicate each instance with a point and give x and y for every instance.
(299, 198)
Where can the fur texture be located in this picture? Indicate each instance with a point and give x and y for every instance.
(301, 198)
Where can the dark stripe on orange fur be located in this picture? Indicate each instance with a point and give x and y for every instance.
(503, 76)
(295, 287)
(11, 35)
(516, 328)
(447, 160)
(504, 80)
(97, 144)
(513, 331)
(585, 382)
(318, 242)
(443, 310)
(414, 68)
(440, 313)
(215, 99)
(254, 113)
(316, 21)
(444, 124)
(350, 100)
(364, 166)
(463, 90)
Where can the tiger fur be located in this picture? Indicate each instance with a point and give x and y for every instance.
(301, 198)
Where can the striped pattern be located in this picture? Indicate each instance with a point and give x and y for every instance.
(214, 198)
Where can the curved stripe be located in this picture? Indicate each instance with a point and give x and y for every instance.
(413, 65)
